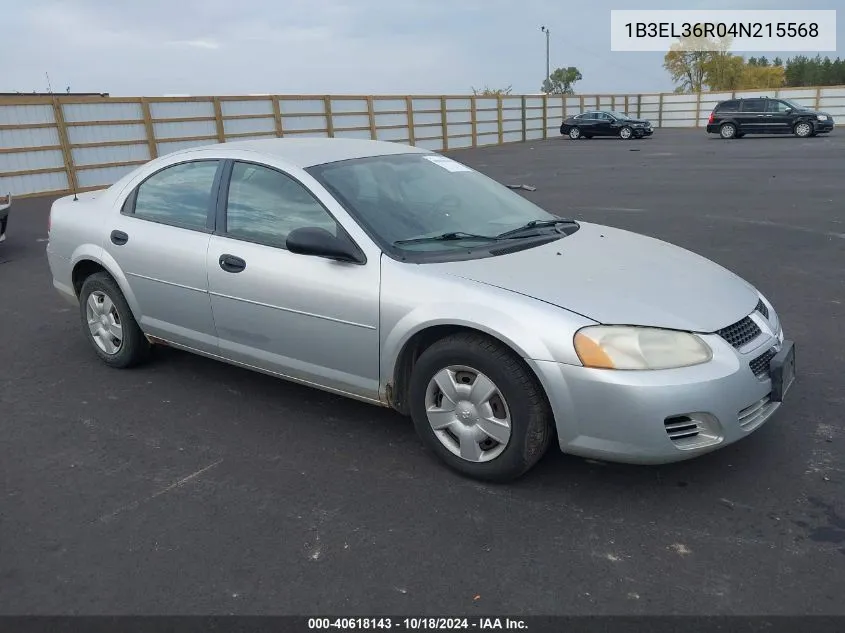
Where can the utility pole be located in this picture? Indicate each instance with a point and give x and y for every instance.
(548, 67)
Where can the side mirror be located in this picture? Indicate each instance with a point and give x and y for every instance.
(320, 243)
(789, 110)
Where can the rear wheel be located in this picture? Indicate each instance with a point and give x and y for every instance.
(109, 324)
(728, 130)
(802, 129)
(479, 408)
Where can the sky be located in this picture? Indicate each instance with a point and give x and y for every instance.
(206, 47)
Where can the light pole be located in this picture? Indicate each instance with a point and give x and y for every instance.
(548, 68)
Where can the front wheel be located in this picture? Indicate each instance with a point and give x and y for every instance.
(574, 133)
(802, 129)
(479, 408)
(626, 133)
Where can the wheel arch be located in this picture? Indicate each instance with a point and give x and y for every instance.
(87, 260)
(411, 347)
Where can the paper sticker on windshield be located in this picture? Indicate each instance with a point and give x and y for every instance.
(447, 163)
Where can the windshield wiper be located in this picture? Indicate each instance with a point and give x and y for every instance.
(534, 224)
(448, 237)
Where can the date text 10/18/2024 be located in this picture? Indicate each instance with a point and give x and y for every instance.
(721, 29)
(418, 624)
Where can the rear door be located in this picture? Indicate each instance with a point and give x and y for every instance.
(753, 116)
(159, 240)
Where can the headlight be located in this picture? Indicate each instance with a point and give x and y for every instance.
(627, 347)
(822, 117)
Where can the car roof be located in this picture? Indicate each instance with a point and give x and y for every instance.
(307, 152)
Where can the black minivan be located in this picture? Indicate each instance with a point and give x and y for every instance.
(765, 115)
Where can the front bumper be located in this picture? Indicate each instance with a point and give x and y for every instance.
(823, 126)
(656, 417)
(643, 131)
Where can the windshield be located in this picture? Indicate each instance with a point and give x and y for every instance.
(620, 115)
(402, 199)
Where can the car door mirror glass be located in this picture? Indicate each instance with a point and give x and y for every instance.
(315, 241)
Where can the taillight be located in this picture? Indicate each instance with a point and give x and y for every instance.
(710, 120)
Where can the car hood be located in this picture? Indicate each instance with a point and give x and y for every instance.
(614, 276)
(643, 121)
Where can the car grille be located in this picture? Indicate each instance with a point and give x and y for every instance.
(760, 365)
(740, 333)
(762, 309)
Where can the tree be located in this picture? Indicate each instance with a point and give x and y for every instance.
(762, 77)
(561, 81)
(777, 61)
(725, 72)
(491, 92)
(690, 58)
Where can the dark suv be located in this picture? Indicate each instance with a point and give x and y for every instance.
(763, 115)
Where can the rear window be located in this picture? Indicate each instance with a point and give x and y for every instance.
(728, 106)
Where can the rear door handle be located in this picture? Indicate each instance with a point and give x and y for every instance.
(119, 237)
(232, 264)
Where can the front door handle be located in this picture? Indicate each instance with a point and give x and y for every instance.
(119, 238)
(232, 264)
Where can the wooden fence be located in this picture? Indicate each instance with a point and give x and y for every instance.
(56, 144)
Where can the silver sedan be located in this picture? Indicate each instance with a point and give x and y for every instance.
(402, 278)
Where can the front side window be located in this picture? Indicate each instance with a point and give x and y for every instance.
(420, 196)
(779, 107)
(265, 205)
(180, 195)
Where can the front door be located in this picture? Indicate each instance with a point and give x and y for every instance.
(308, 318)
(779, 119)
(604, 124)
(160, 240)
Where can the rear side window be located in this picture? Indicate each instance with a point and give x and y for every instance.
(178, 195)
(754, 105)
(728, 106)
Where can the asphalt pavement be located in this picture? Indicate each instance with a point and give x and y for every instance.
(192, 487)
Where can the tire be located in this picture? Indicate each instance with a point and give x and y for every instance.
(132, 347)
(802, 129)
(574, 133)
(518, 400)
(727, 130)
(626, 133)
